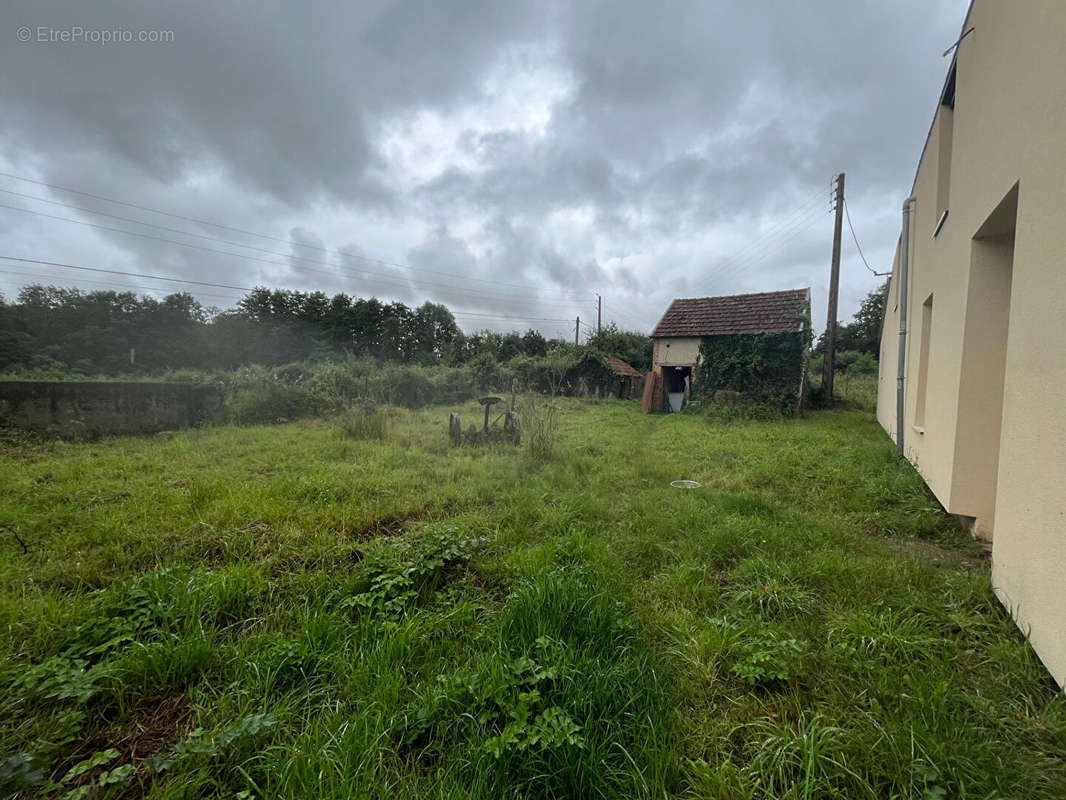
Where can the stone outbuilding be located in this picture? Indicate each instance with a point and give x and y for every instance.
(689, 321)
(627, 378)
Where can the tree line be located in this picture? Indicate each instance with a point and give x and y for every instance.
(48, 328)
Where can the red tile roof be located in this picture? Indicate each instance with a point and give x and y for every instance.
(765, 312)
(619, 367)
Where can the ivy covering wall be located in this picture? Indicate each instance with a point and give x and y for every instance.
(766, 369)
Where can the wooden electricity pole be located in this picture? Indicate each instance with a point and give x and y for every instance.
(577, 331)
(829, 362)
(599, 313)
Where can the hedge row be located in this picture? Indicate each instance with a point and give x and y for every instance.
(256, 394)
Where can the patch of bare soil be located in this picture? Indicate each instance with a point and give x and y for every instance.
(925, 550)
(387, 525)
(395, 525)
(154, 726)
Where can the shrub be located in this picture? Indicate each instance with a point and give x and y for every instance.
(526, 369)
(405, 386)
(865, 364)
(489, 375)
(342, 382)
(452, 385)
(593, 370)
(258, 395)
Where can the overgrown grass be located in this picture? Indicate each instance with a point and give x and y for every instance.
(856, 390)
(364, 422)
(540, 426)
(282, 612)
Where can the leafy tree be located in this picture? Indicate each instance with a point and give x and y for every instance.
(863, 333)
(633, 348)
(510, 346)
(432, 334)
(558, 363)
(534, 344)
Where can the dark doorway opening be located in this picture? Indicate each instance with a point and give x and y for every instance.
(677, 382)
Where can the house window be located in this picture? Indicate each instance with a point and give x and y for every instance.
(923, 362)
(945, 134)
(893, 279)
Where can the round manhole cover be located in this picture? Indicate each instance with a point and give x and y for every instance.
(685, 484)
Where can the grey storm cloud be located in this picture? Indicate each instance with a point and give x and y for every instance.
(503, 158)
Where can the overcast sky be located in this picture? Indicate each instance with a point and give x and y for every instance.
(508, 159)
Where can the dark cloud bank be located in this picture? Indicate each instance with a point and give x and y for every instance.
(504, 158)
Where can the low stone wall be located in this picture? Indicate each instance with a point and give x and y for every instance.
(98, 408)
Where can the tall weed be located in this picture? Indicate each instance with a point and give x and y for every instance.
(364, 422)
(540, 426)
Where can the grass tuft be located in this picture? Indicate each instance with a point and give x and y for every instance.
(540, 425)
(364, 423)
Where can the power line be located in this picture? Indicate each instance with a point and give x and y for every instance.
(769, 249)
(368, 259)
(778, 228)
(624, 317)
(41, 262)
(776, 236)
(757, 250)
(233, 243)
(384, 276)
(851, 227)
(505, 316)
(115, 285)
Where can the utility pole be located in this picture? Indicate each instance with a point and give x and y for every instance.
(829, 362)
(599, 313)
(577, 331)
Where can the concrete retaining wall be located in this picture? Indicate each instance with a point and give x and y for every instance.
(96, 408)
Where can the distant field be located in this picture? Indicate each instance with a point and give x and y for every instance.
(308, 610)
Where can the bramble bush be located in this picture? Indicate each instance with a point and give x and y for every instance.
(257, 394)
(766, 369)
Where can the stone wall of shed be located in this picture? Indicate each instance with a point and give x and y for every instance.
(676, 351)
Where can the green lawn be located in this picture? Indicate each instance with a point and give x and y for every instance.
(288, 611)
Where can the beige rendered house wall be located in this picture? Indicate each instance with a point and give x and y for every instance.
(992, 444)
(676, 352)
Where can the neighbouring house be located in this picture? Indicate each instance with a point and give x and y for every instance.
(973, 352)
(729, 328)
(627, 379)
